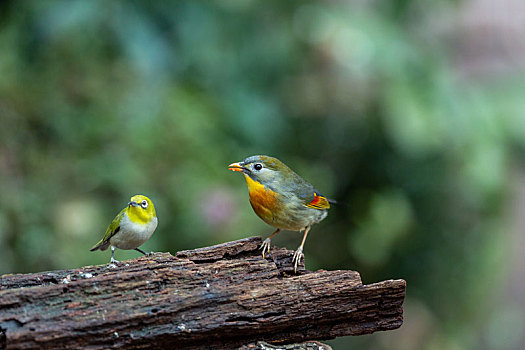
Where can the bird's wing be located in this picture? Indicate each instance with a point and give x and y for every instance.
(112, 229)
(319, 202)
(310, 197)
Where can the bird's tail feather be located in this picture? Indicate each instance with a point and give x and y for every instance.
(102, 245)
(333, 201)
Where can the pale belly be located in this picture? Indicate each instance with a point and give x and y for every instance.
(132, 235)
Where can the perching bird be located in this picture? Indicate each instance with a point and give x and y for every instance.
(133, 226)
(282, 198)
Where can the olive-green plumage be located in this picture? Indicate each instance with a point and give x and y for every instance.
(281, 198)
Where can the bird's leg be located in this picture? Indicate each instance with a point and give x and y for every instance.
(265, 246)
(141, 251)
(113, 252)
(299, 252)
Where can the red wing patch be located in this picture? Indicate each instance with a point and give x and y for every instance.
(319, 202)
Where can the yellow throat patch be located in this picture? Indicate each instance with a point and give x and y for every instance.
(138, 215)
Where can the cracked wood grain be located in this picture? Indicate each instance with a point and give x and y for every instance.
(220, 297)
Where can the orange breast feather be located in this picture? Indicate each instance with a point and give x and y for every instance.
(263, 200)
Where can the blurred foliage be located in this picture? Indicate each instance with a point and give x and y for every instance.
(101, 100)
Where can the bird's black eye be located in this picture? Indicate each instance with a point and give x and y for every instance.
(258, 166)
(144, 204)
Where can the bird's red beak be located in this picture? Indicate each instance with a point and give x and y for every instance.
(235, 167)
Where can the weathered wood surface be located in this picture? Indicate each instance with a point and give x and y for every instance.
(221, 297)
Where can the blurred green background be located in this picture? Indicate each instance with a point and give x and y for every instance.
(411, 112)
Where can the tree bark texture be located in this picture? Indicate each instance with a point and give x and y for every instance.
(221, 297)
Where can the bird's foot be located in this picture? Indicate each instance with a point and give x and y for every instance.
(150, 253)
(297, 256)
(113, 261)
(265, 246)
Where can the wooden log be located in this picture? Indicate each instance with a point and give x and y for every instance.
(221, 297)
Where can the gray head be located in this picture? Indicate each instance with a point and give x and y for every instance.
(263, 169)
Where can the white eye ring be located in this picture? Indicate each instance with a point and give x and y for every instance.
(144, 204)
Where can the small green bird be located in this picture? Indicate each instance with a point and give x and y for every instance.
(131, 228)
(282, 198)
